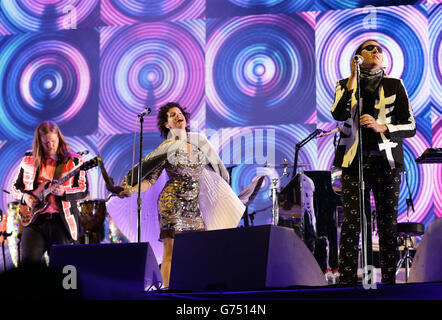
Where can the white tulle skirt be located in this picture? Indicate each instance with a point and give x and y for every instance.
(220, 208)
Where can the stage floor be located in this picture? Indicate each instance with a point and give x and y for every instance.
(404, 291)
(400, 291)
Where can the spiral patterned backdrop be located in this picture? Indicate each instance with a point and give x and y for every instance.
(435, 25)
(40, 15)
(261, 150)
(49, 75)
(407, 42)
(257, 76)
(267, 66)
(125, 12)
(219, 8)
(149, 65)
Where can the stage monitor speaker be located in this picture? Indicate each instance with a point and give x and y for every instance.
(106, 271)
(427, 263)
(243, 259)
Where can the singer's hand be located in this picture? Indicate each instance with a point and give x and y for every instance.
(353, 64)
(367, 121)
(351, 83)
(127, 192)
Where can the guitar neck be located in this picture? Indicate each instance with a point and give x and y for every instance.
(62, 180)
(85, 166)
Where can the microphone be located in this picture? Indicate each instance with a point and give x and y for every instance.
(358, 60)
(82, 153)
(144, 113)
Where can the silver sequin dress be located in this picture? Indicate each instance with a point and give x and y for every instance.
(195, 195)
(178, 207)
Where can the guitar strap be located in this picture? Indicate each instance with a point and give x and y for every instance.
(57, 172)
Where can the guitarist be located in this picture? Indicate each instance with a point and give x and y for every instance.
(58, 223)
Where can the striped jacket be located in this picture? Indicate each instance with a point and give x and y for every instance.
(76, 189)
(392, 108)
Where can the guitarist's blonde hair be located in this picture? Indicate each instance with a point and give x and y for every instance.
(44, 128)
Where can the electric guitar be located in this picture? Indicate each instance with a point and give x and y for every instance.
(27, 214)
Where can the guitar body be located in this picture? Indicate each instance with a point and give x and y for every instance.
(27, 214)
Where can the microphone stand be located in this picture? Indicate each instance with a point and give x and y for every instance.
(409, 201)
(245, 215)
(299, 146)
(408, 238)
(140, 176)
(363, 217)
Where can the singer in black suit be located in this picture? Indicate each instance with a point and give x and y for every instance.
(386, 118)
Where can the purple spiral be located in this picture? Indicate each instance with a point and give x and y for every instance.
(420, 178)
(232, 8)
(52, 15)
(148, 65)
(435, 25)
(247, 147)
(10, 156)
(45, 77)
(124, 12)
(437, 183)
(326, 147)
(339, 33)
(260, 65)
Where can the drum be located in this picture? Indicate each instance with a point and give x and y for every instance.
(92, 214)
(14, 227)
(289, 200)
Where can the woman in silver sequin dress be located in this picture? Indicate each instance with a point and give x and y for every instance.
(179, 204)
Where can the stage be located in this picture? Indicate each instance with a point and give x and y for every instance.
(410, 291)
(41, 282)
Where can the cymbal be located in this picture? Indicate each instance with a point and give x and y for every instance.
(287, 165)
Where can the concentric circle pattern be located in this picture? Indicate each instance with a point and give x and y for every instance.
(420, 179)
(437, 168)
(258, 76)
(258, 3)
(148, 65)
(405, 50)
(435, 27)
(43, 77)
(260, 65)
(323, 5)
(234, 8)
(254, 151)
(124, 12)
(89, 144)
(10, 155)
(326, 146)
(41, 15)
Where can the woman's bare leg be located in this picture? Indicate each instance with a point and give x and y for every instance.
(167, 260)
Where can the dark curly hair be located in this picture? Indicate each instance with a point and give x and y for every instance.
(162, 117)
